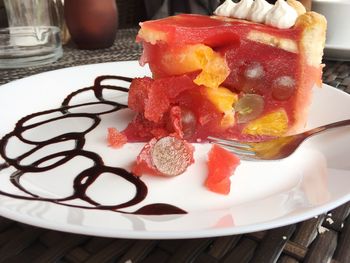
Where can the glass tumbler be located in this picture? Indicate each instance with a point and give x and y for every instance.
(31, 39)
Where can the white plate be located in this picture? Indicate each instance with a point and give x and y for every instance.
(263, 195)
(337, 52)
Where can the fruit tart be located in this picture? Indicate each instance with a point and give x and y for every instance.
(247, 72)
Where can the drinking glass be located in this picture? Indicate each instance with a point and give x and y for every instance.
(31, 39)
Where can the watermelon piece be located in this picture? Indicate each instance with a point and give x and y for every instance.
(153, 97)
(138, 93)
(221, 165)
(116, 139)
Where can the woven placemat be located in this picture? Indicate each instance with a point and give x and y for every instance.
(337, 74)
(321, 239)
(124, 48)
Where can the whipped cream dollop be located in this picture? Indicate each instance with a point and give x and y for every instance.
(259, 10)
(242, 9)
(280, 15)
(225, 8)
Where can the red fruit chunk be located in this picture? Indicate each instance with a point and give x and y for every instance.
(142, 130)
(115, 138)
(144, 163)
(138, 93)
(221, 187)
(148, 96)
(153, 97)
(221, 165)
(157, 103)
(167, 156)
(175, 123)
(176, 85)
(158, 113)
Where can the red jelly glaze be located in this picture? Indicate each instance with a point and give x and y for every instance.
(194, 29)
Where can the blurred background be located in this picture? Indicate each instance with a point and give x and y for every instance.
(131, 12)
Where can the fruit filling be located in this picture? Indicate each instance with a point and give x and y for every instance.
(222, 77)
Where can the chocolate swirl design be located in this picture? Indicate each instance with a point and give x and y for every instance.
(85, 178)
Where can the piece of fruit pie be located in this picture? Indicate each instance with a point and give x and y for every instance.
(246, 72)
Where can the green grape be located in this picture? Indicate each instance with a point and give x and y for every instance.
(249, 107)
(283, 88)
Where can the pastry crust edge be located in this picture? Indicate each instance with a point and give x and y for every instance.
(313, 38)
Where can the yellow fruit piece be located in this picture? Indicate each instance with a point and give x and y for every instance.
(228, 120)
(214, 72)
(177, 61)
(272, 124)
(223, 99)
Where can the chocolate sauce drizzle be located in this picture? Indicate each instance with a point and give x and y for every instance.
(86, 177)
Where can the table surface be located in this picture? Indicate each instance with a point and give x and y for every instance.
(303, 243)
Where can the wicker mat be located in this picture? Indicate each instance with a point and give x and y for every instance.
(320, 239)
(123, 49)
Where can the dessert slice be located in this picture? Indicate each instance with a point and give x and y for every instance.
(228, 77)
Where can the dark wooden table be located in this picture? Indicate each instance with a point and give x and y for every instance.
(303, 242)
